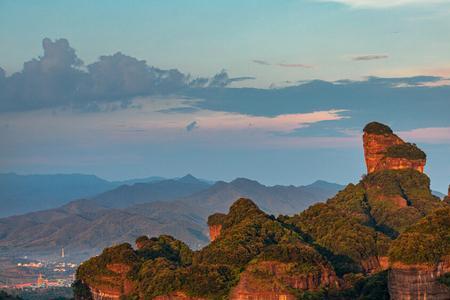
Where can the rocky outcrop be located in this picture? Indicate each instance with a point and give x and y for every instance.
(113, 286)
(215, 223)
(102, 295)
(375, 264)
(272, 280)
(383, 150)
(214, 231)
(447, 199)
(418, 282)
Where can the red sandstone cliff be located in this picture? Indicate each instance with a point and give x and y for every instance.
(113, 286)
(377, 141)
(418, 282)
(375, 264)
(214, 231)
(271, 280)
(215, 222)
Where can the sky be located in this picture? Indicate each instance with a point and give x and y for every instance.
(276, 91)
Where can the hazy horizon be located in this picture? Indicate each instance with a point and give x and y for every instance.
(276, 92)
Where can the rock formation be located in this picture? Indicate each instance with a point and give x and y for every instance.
(419, 257)
(385, 235)
(115, 285)
(375, 264)
(215, 223)
(418, 281)
(447, 198)
(383, 150)
(273, 280)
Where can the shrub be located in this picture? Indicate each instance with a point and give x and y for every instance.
(216, 219)
(445, 279)
(406, 150)
(377, 128)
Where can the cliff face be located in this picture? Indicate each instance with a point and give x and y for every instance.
(376, 152)
(419, 257)
(418, 282)
(375, 264)
(214, 231)
(215, 223)
(275, 280)
(113, 285)
(375, 146)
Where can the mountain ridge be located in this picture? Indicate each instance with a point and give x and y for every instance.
(44, 232)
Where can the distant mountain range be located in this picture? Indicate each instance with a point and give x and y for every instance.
(21, 194)
(178, 207)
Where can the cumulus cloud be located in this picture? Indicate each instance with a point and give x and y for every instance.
(191, 126)
(370, 57)
(57, 79)
(222, 79)
(383, 3)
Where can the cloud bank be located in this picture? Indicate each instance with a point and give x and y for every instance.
(57, 78)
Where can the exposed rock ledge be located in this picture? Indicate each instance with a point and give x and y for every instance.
(418, 282)
(375, 264)
(378, 140)
(214, 231)
(270, 280)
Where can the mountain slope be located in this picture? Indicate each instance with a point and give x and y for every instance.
(89, 225)
(163, 190)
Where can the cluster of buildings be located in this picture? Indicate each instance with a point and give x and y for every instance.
(43, 273)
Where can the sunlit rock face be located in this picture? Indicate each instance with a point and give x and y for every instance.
(383, 150)
(215, 223)
(418, 282)
(214, 231)
(272, 280)
(375, 264)
(122, 285)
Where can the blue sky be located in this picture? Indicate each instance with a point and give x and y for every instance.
(117, 117)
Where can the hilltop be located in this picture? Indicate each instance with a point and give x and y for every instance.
(370, 241)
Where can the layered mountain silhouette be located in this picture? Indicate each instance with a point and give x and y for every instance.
(178, 207)
(21, 194)
(386, 237)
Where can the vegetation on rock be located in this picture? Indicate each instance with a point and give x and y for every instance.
(216, 219)
(427, 242)
(406, 150)
(377, 128)
(445, 279)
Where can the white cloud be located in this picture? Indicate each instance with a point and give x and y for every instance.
(383, 3)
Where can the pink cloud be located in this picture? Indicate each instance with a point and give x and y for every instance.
(432, 135)
(281, 123)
